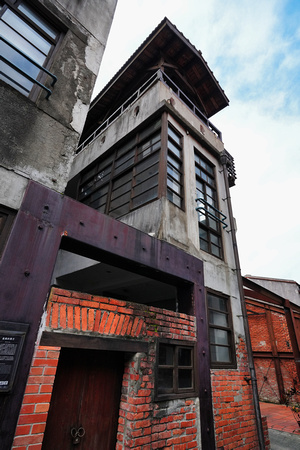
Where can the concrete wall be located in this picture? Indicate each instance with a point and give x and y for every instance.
(38, 139)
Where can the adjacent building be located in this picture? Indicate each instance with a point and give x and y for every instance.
(273, 309)
(119, 269)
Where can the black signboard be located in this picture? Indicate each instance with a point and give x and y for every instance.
(12, 336)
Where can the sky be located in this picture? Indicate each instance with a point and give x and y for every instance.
(253, 49)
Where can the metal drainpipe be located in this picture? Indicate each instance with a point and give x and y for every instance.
(224, 159)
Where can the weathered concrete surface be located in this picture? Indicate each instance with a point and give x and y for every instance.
(283, 441)
(39, 138)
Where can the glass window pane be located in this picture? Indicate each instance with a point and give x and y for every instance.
(121, 191)
(219, 336)
(120, 210)
(203, 245)
(145, 197)
(150, 163)
(145, 186)
(185, 380)
(216, 251)
(174, 149)
(166, 355)
(176, 137)
(36, 18)
(203, 234)
(149, 130)
(127, 146)
(174, 198)
(215, 302)
(184, 357)
(220, 354)
(25, 30)
(122, 180)
(165, 379)
(212, 223)
(175, 163)
(174, 173)
(23, 45)
(124, 161)
(217, 318)
(14, 79)
(172, 184)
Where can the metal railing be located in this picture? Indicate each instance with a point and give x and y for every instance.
(161, 76)
(25, 74)
(178, 92)
(205, 209)
(118, 112)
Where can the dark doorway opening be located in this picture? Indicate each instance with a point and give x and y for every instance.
(84, 407)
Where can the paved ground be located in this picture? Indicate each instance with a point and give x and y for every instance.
(284, 431)
(283, 441)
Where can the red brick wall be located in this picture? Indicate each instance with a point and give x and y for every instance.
(235, 423)
(260, 341)
(33, 414)
(143, 423)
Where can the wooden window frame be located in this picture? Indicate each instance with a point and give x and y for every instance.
(175, 391)
(229, 329)
(211, 232)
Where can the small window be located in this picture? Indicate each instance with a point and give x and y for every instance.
(221, 341)
(27, 41)
(7, 216)
(175, 370)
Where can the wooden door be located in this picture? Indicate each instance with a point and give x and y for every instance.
(85, 399)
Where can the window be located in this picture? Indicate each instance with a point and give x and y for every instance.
(175, 370)
(7, 216)
(26, 38)
(174, 167)
(209, 221)
(221, 340)
(127, 178)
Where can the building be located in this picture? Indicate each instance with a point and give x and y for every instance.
(273, 308)
(128, 288)
(50, 53)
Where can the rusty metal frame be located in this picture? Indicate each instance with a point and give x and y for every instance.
(267, 299)
(48, 221)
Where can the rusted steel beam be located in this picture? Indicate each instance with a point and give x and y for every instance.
(275, 356)
(267, 355)
(251, 294)
(266, 295)
(294, 335)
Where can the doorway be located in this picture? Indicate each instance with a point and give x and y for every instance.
(84, 406)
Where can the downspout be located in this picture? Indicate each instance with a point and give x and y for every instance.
(224, 162)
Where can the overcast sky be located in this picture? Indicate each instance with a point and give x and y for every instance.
(253, 48)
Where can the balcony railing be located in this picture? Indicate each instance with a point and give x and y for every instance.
(159, 75)
(178, 92)
(206, 208)
(25, 74)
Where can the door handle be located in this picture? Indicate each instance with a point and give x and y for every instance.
(77, 434)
